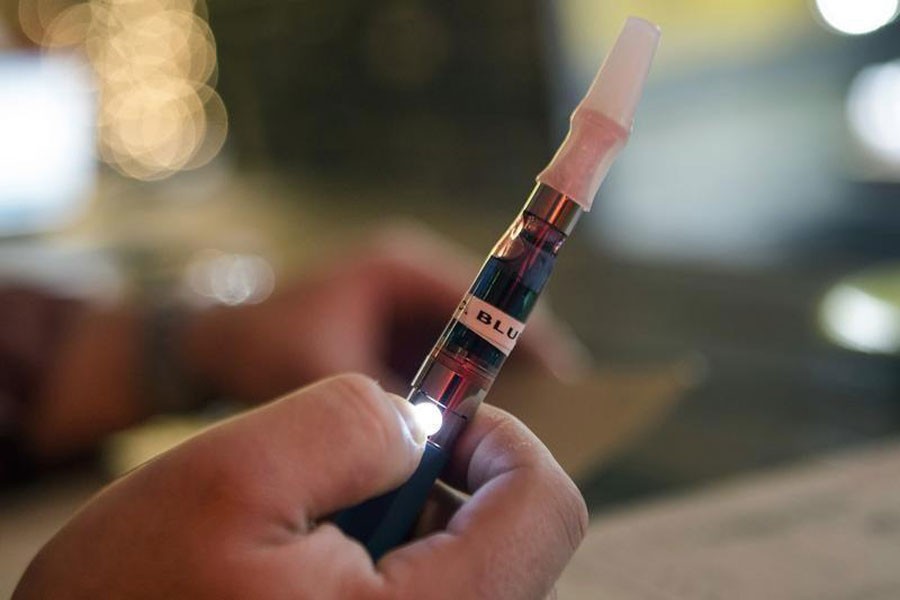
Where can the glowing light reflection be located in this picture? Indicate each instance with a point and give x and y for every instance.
(428, 416)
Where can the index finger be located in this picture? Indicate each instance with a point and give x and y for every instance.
(513, 538)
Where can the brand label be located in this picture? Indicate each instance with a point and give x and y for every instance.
(490, 323)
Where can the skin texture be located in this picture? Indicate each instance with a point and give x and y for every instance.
(236, 512)
(376, 310)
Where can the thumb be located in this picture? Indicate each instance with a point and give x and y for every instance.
(322, 448)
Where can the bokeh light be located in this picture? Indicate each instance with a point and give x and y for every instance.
(46, 135)
(858, 319)
(856, 17)
(873, 110)
(229, 278)
(155, 65)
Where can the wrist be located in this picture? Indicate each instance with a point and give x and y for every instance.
(91, 388)
(176, 378)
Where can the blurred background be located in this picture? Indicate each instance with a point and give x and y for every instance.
(750, 226)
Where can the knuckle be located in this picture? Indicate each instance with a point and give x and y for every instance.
(214, 472)
(365, 589)
(347, 579)
(363, 406)
(207, 477)
(401, 244)
(355, 387)
(393, 237)
(572, 511)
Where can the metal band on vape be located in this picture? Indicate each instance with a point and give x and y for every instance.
(553, 207)
(456, 396)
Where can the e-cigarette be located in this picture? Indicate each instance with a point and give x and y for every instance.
(460, 369)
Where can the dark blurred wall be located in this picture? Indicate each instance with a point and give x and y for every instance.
(429, 91)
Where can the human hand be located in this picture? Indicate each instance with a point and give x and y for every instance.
(378, 311)
(235, 512)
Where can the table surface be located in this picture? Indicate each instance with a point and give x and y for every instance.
(824, 529)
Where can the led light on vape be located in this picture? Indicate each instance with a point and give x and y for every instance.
(856, 17)
(428, 416)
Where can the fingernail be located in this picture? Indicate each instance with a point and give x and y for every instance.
(409, 418)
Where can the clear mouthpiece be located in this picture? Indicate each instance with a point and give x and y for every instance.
(601, 123)
(617, 88)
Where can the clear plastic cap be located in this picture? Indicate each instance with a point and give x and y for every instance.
(602, 121)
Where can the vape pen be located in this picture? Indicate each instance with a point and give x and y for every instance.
(460, 369)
